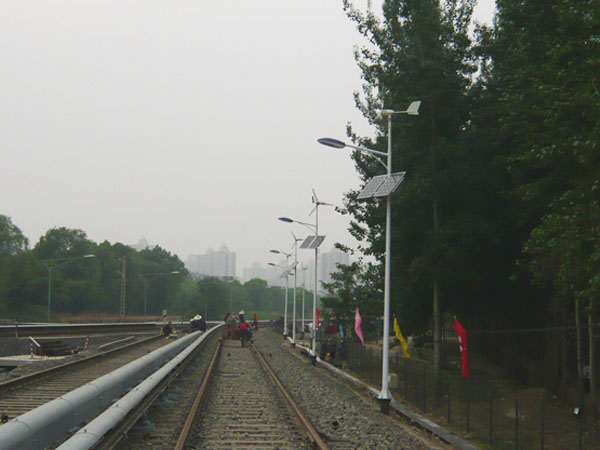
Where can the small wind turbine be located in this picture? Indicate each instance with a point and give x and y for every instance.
(317, 202)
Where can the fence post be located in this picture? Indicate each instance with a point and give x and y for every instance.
(517, 420)
(491, 415)
(370, 364)
(468, 406)
(405, 377)
(424, 388)
(580, 417)
(449, 400)
(542, 424)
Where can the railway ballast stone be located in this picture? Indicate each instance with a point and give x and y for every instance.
(344, 418)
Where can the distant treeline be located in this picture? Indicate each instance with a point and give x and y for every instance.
(82, 284)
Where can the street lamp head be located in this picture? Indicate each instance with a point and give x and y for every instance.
(174, 272)
(89, 256)
(275, 251)
(272, 264)
(329, 142)
(286, 219)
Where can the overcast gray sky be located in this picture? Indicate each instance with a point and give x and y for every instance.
(191, 123)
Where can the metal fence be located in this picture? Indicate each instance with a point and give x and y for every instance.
(522, 401)
(493, 411)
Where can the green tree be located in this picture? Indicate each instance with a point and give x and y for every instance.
(256, 294)
(345, 294)
(12, 240)
(23, 283)
(549, 102)
(63, 243)
(418, 50)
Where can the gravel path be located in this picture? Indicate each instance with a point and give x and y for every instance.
(345, 418)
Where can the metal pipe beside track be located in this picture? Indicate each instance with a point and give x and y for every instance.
(93, 432)
(54, 420)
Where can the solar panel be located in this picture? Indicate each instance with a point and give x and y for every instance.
(317, 242)
(307, 242)
(371, 187)
(288, 270)
(390, 184)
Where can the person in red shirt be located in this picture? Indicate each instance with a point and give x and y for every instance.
(244, 331)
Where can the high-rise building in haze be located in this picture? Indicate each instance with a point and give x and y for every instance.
(327, 265)
(143, 244)
(220, 263)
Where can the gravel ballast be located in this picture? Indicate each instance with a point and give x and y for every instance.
(345, 418)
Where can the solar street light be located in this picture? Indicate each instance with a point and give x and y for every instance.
(286, 273)
(382, 186)
(52, 264)
(295, 287)
(312, 242)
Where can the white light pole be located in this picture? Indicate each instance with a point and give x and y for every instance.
(287, 273)
(413, 109)
(52, 264)
(303, 295)
(295, 287)
(151, 276)
(314, 228)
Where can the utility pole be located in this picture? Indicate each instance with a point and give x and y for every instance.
(123, 280)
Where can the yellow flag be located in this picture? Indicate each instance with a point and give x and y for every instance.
(399, 336)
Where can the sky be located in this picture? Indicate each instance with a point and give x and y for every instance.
(190, 123)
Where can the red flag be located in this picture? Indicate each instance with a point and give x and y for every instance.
(318, 314)
(357, 329)
(462, 345)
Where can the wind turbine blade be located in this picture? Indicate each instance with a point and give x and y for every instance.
(313, 210)
(316, 199)
(295, 238)
(326, 204)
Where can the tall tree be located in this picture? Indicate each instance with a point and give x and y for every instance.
(549, 98)
(419, 49)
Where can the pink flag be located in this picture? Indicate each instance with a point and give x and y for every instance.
(357, 330)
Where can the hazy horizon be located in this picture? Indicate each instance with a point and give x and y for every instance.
(191, 124)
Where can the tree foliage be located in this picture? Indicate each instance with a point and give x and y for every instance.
(499, 206)
(155, 279)
(12, 240)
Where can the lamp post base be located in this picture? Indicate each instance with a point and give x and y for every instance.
(313, 360)
(384, 405)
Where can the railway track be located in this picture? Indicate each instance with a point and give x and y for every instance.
(241, 405)
(23, 394)
(159, 425)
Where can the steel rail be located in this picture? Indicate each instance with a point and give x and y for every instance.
(53, 420)
(185, 432)
(64, 329)
(10, 384)
(309, 429)
(109, 428)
